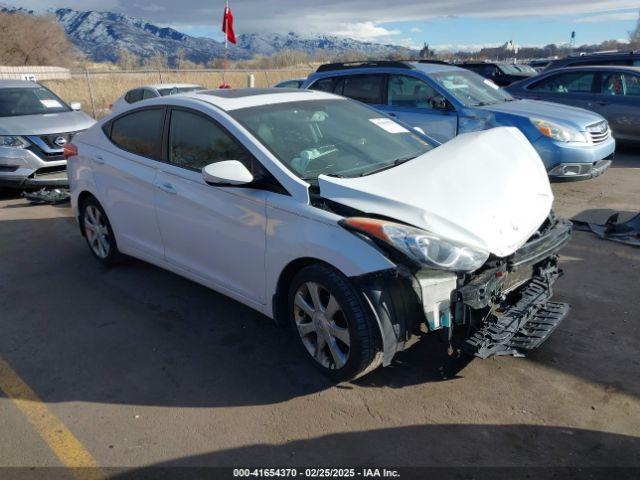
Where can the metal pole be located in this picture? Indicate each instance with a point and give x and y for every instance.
(93, 103)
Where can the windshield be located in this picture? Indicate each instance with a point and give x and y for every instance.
(509, 69)
(471, 89)
(174, 90)
(331, 137)
(526, 69)
(29, 101)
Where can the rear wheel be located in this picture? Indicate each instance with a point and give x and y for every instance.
(98, 232)
(332, 323)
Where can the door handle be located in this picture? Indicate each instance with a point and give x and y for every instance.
(392, 114)
(602, 104)
(98, 159)
(166, 187)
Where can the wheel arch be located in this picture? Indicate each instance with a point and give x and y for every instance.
(282, 286)
(82, 198)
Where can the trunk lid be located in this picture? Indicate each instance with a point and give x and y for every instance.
(487, 189)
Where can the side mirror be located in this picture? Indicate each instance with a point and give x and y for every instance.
(75, 106)
(227, 172)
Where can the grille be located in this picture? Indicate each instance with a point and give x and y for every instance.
(44, 146)
(599, 132)
(50, 139)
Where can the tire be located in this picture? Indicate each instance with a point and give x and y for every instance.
(332, 323)
(98, 232)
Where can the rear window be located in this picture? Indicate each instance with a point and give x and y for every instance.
(134, 95)
(140, 132)
(324, 85)
(364, 88)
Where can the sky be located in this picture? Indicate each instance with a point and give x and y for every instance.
(443, 24)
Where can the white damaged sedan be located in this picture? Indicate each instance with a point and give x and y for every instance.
(323, 214)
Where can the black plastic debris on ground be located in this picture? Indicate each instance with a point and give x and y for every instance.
(625, 232)
(50, 196)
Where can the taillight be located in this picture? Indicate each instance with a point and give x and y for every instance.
(110, 106)
(69, 150)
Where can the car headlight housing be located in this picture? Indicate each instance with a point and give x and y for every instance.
(423, 247)
(13, 141)
(558, 132)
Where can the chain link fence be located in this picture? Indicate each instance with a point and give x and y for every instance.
(98, 90)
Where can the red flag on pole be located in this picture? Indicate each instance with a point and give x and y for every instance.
(227, 24)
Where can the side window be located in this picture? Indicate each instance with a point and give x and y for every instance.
(140, 132)
(409, 92)
(364, 88)
(148, 94)
(605, 62)
(134, 96)
(632, 84)
(572, 82)
(489, 71)
(620, 84)
(195, 142)
(324, 85)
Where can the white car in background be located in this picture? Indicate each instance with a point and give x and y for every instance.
(152, 91)
(323, 213)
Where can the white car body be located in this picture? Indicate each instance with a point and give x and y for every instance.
(150, 91)
(487, 189)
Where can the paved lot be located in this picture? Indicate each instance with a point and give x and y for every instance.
(145, 368)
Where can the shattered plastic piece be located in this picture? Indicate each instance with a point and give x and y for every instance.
(626, 232)
(56, 195)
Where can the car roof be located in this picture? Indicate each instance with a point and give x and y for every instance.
(596, 67)
(158, 86)
(234, 99)
(18, 84)
(383, 67)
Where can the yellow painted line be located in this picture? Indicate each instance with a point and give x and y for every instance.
(56, 435)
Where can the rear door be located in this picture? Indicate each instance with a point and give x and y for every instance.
(618, 100)
(414, 102)
(125, 172)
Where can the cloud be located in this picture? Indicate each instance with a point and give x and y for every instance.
(415, 30)
(608, 17)
(364, 31)
(150, 8)
(365, 18)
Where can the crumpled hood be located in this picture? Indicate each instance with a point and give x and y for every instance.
(487, 189)
(575, 117)
(45, 124)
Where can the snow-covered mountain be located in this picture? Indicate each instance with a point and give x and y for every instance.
(103, 35)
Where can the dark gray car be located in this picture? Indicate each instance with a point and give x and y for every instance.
(611, 91)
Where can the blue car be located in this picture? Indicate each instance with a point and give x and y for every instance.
(444, 100)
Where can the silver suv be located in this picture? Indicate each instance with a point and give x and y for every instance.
(35, 125)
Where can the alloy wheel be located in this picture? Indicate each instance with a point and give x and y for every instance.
(97, 232)
(322, 325)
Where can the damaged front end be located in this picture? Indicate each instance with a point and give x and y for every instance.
(506, 308)
(503, 308)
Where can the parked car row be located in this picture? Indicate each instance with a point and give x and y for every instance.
(444, 100)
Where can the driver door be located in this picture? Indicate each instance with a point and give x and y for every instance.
(216, 233)
(411, 100)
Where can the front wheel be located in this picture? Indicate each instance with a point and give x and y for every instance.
(333, 324)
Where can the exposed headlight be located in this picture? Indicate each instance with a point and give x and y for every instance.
(13, 141)
(421, 246)
(558, 132)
